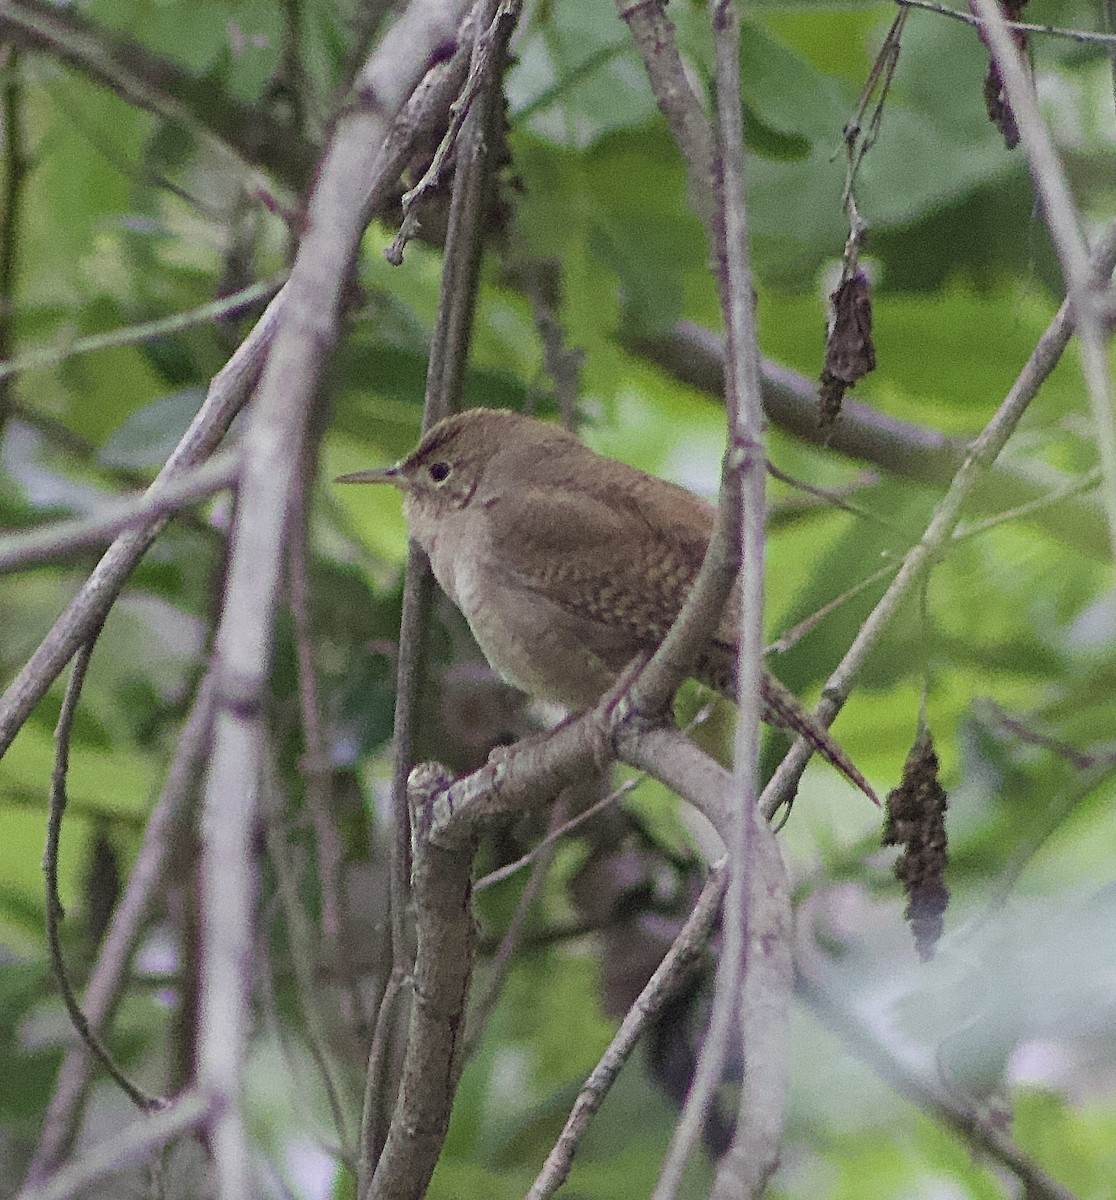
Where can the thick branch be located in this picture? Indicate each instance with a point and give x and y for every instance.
(442, 888)
(273, 452)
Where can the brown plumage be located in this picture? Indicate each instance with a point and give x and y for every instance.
(567, 564)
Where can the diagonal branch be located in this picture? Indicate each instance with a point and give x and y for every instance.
(1084, 289)
(228, 391)
(982, 454)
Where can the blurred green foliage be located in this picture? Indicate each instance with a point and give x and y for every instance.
(126, 217)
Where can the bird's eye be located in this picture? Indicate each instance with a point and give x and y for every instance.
(439, 471)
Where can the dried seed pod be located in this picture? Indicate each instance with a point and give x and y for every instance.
(849, 352)
(916, 821)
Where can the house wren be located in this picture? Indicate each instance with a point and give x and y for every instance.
(566, 564)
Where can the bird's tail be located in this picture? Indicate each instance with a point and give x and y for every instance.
(783, 709)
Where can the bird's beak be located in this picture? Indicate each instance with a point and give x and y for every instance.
(392, 475)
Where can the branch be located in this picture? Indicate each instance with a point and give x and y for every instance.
(106, 985)
(133, 1145)
(980, 458)
(683, 956)
(983, 1136)
(15, 167)
(53, 542)
(226, 307)
(346, 183)
(227, 393)
(88, 609)
(757, 930)
(444, 381)
(695, 356)
(1076, 35)
(1084, 290)
(443, 967)
(54, 911)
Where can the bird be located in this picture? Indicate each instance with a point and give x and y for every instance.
(567, 565)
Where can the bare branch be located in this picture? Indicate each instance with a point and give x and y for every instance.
(227, 392)
(445, 376)
(981, 456)
(88, 609)
(1084, 289)
(677, 964)
(443, 967)
(346, 182)
(984, 1136)
(54, 911)
(758, 934)
(144, 331)
(15, 166)
(133, 1145)
(106, 985)
(696, 356)
(1076, 35)
(53, 542)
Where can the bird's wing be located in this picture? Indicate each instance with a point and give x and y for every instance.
(583, 551)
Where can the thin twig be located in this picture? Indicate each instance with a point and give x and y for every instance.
(1077, 35)
(487, 59)
(695, 355)
(51, 543)
(15, 168)
(502, 960)
(302, 940)
(982, 455)
(808, 624)
(106, 984)
(674, 969)
(54, 910)
(972, 529)
(143, 331)
(131, 1146)
(1083, 290)
(418, 593)
(982, 1135)
(371, 1134)
(315, 766)
(556, 834)
(598, 806)
(653, 36)
(745, 418)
